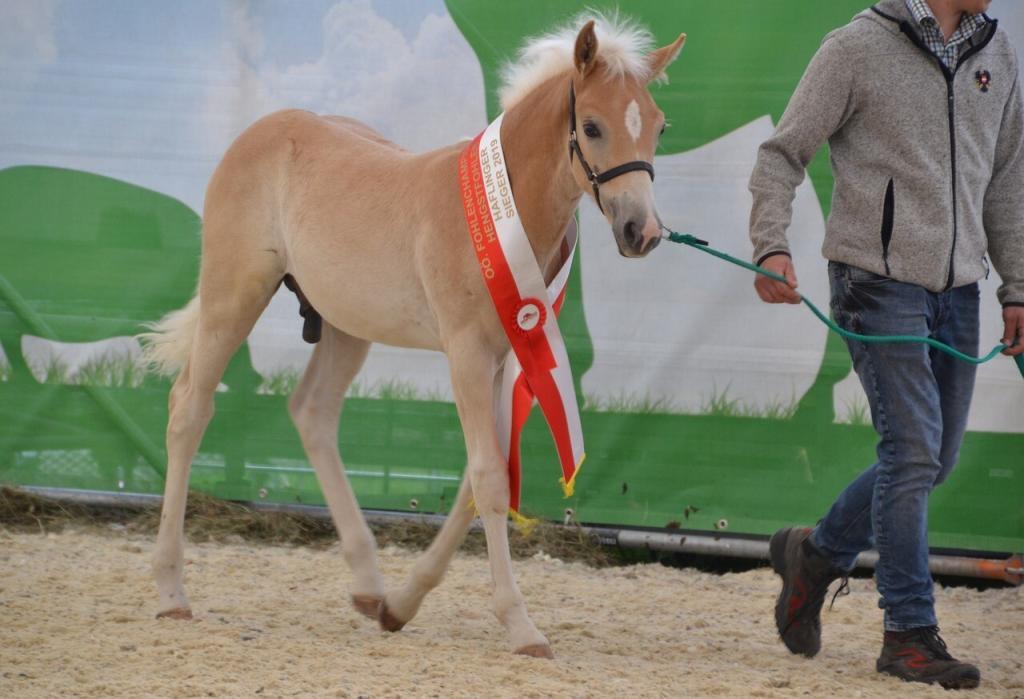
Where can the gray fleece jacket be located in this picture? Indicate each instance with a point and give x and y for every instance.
(928, 161)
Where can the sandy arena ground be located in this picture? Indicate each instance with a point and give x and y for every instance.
(77, 621)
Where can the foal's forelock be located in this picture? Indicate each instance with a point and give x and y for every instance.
(623, 50)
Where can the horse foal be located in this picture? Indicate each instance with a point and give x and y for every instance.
(375, 240)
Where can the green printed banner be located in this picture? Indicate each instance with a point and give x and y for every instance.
(702, 407)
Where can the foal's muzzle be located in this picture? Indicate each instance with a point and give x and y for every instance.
(637, 230)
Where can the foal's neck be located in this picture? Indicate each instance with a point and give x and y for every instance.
(535, 138)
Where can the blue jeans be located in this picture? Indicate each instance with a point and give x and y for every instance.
(919, 398)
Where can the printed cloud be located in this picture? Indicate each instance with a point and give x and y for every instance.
(421, 93)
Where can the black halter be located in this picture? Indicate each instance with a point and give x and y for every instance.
(597, 179)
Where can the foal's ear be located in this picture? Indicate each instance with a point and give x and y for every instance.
(660, 59)
(585, 53)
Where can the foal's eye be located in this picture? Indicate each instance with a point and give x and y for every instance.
(591, 130)
(663, 127)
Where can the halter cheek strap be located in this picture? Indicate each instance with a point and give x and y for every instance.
(597, 179)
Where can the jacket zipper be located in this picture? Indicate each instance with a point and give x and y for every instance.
(949, 75)
(951, 112)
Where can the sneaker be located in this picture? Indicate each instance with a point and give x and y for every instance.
(806, 575)
(920, 655)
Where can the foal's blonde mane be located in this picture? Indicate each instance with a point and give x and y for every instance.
(622, 45)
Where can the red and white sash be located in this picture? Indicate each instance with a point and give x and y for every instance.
(537, 367)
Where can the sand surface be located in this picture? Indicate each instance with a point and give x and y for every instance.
(76, 620)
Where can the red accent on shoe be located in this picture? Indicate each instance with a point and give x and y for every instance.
(918, 660)
(797, 599)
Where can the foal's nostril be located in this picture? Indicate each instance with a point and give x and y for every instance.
(631, 235)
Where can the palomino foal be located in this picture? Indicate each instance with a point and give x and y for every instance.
(376, 239)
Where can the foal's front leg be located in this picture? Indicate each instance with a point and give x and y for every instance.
(401, 605)
(473, 374)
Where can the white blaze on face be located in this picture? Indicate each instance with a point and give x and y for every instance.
(634, 124)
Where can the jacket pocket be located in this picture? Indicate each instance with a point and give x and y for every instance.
(888, 213)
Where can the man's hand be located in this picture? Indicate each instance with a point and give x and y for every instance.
(772, 291)
(1013, 328)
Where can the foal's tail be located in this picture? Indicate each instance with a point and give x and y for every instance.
(166, 348)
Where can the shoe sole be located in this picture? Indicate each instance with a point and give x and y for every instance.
(962, 683)
(777, 555)
(950, 681)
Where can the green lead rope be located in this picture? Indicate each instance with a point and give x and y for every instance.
(703, 246)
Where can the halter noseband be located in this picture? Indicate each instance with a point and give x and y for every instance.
(597, 179)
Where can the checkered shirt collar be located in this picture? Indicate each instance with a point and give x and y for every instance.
(932, 34)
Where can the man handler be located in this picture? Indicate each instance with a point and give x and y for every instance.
(920, 102)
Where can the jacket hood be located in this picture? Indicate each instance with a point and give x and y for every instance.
(885, 12)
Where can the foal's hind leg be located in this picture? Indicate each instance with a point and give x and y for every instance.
(230, 304)
(315, 408)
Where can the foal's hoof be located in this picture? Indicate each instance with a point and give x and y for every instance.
(179, 613)
(367, 605)
(537, 650)
(388, 622)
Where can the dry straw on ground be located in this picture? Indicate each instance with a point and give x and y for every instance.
(210, 519)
